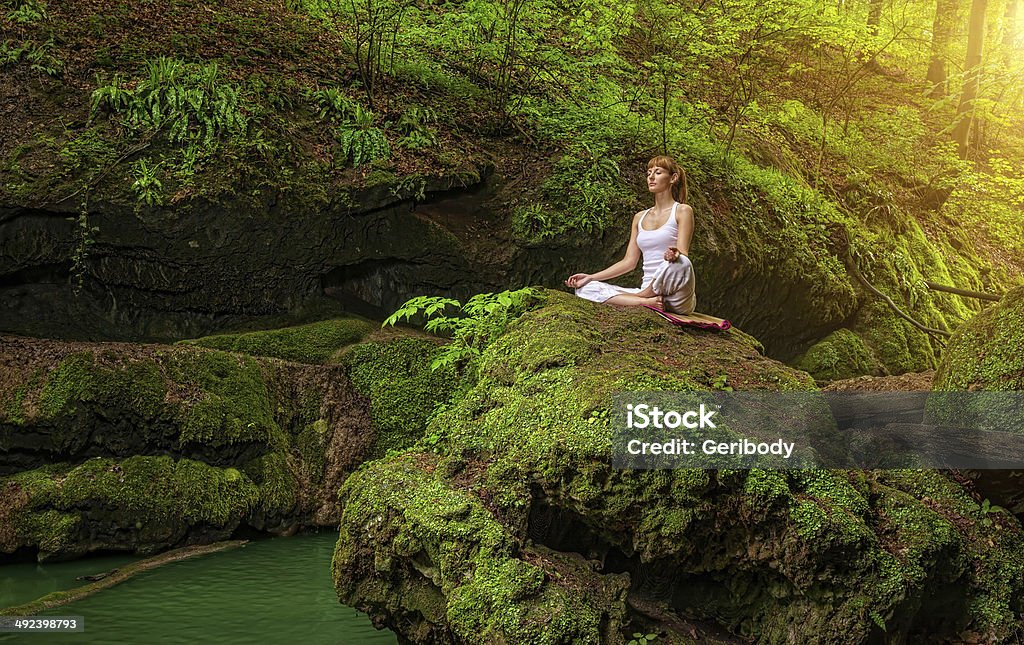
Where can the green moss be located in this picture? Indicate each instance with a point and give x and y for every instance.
(842, 354)
(311, 443)
(12, 402)
(985, 353)
(158, 496)
(312, 343)
(403, 389)
(159, 488)
(455, 545)
(896, 344)
(827, 505)
(50, 530)
(81, 378)
(902, 261)
(278, 490)
(233, 405)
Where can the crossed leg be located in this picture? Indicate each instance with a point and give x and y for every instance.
(645, 297)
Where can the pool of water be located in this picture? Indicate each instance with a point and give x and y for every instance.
(270, 591)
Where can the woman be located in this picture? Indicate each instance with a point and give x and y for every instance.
(661, 235)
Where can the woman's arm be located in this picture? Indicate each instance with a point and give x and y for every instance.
(684, 222)
(622, 267)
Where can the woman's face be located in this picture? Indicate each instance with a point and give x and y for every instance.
(658, 179)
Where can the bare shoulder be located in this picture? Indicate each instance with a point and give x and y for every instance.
(684, 213)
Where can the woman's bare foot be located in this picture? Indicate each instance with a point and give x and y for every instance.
(655, 301)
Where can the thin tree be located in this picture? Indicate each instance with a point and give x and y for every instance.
(1010, 31)
(972, 75)
(942, 33)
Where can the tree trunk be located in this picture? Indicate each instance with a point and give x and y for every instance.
(972, 73)
(942, 32)
(874, 16)
(1009, 31)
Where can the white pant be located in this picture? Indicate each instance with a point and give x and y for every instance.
(673, 281)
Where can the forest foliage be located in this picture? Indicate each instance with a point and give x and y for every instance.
(890, 119)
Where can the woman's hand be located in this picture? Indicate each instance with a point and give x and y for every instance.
(578, 280)
(672, 254)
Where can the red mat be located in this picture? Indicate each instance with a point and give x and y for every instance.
(700, 321)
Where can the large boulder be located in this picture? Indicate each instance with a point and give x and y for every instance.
(508, 522)
(987, 352)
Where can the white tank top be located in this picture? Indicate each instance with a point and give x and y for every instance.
(654, 243)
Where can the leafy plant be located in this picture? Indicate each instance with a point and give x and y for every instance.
(39, 56)
(413, 124)
(642, 639)
(721, 382)
(331, 104)
(360, 141)
(410, 185)
(533, 222)
(86, 238)
(587, 186)
(148, 189)
(483, 318)
(27, 12)
(189, 103)
(987, 508)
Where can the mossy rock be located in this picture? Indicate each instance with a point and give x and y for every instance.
(312, 343)
(842, 354)
(248, 439)
(459, 573)
(140, 504)
(522, 462)
(398, 377)
(67, 402)
(987, 353)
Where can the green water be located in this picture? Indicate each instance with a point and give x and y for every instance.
(269, 591)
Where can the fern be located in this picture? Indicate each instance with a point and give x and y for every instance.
(483, 318)
(188, 103)
(331, 104)
(148, 189)
(361, 142)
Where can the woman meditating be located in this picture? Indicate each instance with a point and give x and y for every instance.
(661, 235)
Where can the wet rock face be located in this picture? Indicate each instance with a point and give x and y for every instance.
(449, 542)
(164, 275)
